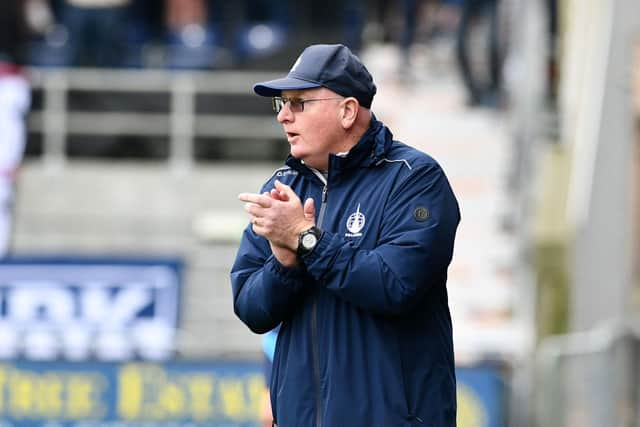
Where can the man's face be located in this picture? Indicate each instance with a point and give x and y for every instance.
(316, 131)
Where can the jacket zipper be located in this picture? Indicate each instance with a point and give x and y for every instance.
(322, 206)
(314, 314)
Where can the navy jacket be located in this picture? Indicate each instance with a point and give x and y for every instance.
(365, 336)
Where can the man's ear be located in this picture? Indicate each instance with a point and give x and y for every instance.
(349, 112)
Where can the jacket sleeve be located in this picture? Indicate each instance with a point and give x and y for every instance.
(414, 248)
(264, 291)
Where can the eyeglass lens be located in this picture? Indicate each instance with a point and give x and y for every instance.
(297, 106)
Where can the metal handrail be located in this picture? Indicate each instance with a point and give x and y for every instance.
(182, 123)
(556, 394)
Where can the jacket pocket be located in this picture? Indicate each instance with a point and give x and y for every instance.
(408, 414)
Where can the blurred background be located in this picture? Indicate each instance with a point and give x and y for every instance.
(120, 219)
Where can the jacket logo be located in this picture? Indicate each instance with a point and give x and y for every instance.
(355, 223)
(287, 172)
(421, 214)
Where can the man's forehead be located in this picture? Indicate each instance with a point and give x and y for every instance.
(306, 93)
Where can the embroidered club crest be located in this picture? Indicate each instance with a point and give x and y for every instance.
(355, 223)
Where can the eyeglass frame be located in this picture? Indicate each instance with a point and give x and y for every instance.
(296, 105)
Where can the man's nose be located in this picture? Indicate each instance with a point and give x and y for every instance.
(285, 115)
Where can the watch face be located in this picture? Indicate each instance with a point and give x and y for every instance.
(309, 241)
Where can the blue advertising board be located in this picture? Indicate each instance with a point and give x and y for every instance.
(177, 394)
(481, 397)
(81, 308)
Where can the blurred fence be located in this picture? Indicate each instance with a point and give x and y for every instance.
(590, 379)
(67, 207)
(181, 112)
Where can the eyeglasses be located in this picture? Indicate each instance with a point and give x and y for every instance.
(296, 105)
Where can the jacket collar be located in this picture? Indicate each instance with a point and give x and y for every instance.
(367, 152)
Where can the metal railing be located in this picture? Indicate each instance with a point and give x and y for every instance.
(182, 123)
(590, 379)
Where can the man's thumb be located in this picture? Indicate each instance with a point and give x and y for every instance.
(309, 209)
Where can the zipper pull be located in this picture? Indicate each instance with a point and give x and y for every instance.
(324, 194)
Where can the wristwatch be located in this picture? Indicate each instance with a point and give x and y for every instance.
(307, 240)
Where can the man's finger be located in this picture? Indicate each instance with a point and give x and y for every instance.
(278, 195)
(258, 199)
(309, 209)
(285, 191)
(253, 209)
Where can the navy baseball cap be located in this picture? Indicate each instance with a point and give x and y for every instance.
(332, 66)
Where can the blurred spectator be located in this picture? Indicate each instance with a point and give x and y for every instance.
(14, 103)
(428, 20)
(481, 92)
(552, 59)
(354, 21)
(146, 25)
(191, 38)
(182, 13)
(410, 19)
(262, 29)
(97, 31)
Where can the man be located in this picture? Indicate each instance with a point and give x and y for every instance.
(480, 92)
(347, 251)
(15, 97)
(97, 30)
